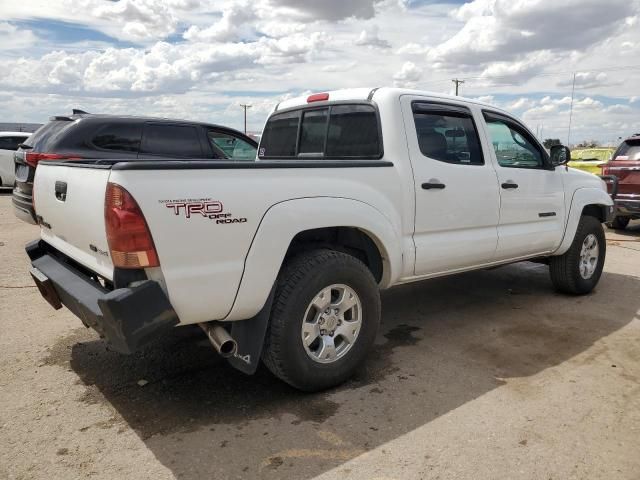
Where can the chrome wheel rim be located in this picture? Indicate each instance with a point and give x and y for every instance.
(589, 256)
(331, 323)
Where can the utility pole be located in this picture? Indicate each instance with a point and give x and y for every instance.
(245, 106)
(573, 89)
(457, 82)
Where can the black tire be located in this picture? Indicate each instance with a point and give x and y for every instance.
(300, 280)
(619, 223)
(565, 269)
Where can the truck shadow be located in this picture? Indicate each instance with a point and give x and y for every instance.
(442, 344)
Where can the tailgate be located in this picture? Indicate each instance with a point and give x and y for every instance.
(69, 204)
(628, 173)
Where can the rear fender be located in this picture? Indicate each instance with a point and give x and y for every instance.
(283, 221)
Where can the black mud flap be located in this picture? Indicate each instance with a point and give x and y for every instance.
(249, 335)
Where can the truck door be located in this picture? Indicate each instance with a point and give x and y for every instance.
(456, 190)
(532, 208)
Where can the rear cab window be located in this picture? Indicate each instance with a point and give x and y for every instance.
(335, 131)
(629, 150)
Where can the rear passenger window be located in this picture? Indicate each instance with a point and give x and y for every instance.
(171, 141)
(353, 132)
(447, 136)
(118, 137)
(336, 132)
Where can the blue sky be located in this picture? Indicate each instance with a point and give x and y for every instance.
(201, 59)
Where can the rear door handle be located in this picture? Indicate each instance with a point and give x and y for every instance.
(433, 185)
(509, 184)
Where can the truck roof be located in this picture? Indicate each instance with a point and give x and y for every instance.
(368, 93)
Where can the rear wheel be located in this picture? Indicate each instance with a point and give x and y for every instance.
(578, 270)
(619, 223)
(324, 319)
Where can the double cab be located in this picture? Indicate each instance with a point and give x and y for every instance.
(282, 259)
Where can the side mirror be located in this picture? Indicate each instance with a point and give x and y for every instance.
(560, 155)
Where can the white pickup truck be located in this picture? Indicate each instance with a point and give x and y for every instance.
(282, 259)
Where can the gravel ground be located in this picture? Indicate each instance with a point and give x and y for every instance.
(489, 374)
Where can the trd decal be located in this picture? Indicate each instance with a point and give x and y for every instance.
(206, 207)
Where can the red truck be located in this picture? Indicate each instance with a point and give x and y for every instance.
(625, 166)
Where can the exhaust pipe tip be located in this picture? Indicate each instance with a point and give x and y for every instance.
(228, 348)
(220, 339)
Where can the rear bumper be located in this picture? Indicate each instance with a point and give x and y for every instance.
(128, 318)
(23, 207)
(627, 207)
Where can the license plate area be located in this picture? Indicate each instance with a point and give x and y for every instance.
(46, 288)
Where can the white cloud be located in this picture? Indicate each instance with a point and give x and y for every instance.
(13, 38)
(408, 75)
(186, 58)
(234, 25)
(369, 37)
(522, 103)
(329, 9)
(586, 80)
(503, 29)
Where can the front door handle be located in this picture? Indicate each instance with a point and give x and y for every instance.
(433, 184)
(509, 184)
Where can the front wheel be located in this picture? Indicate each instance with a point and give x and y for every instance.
(578, 270)
(324, 319)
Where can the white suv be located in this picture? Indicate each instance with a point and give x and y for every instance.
(9, 142)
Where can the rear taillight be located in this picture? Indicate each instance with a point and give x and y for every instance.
(32, 158)
(128, 235)
(605, 168)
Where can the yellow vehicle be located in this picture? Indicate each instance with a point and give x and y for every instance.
(590, 159)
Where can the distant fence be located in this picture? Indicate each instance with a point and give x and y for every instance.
(19, 127)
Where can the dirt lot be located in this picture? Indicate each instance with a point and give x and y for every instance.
(485, 375)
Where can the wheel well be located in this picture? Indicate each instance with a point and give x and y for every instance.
(344, 239)
(597, 211)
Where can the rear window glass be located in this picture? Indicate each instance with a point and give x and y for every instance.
(122, 137)
(280, 135)
(43, 138)
(339, 131)
(171, 140)
(313, 131)
(628, 150)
